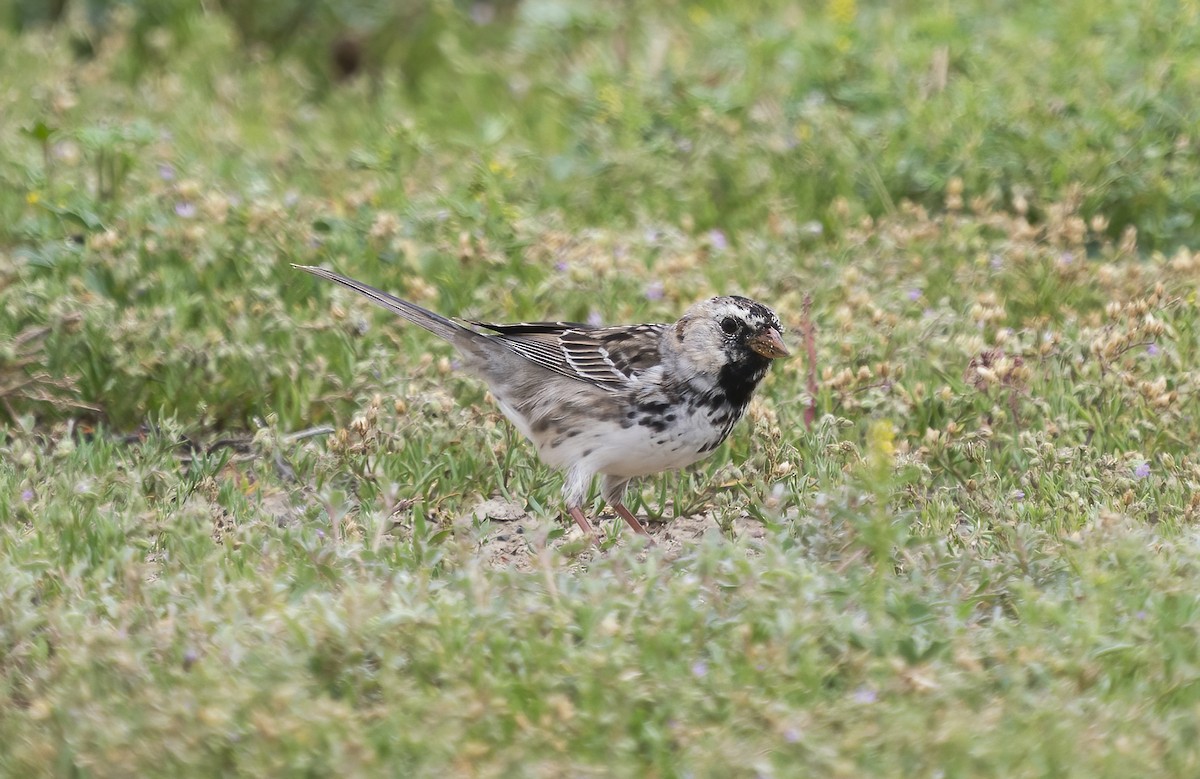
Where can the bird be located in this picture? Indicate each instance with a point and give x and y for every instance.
(619, 402)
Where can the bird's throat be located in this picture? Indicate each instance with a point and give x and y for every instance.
(738, 380)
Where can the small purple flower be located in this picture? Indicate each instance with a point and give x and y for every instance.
(1066, 258)
(594, 319)
(865, 695)
(718, 240)
(996, 261)
(1140, 616)
(185, 209)
(1018, 494)
(914, 294)
(320, 534)
(560, 266)
(1153, 350)
(699, 669)
(26, 495)
(1142, 471)
(166, 172)
(791, 735)
(654, 290)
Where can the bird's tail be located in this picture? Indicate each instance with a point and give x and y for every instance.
(434, 323)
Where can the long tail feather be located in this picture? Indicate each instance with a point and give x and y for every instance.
(434, 323)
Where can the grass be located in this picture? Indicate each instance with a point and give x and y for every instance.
(241, 510)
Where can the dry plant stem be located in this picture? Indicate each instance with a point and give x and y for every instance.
(810, 350)
(628, 516)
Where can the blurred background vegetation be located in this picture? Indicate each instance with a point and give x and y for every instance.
(455, 144)
(809, 104)
(244, 516)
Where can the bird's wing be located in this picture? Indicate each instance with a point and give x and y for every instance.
(611, 358)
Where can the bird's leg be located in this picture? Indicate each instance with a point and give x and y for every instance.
(577, 515)
(628, 516)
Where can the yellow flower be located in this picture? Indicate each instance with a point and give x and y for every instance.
(881, 436)
(500, 168)
(610, 98)
(33, 198)
(842, 11)
(881, 444)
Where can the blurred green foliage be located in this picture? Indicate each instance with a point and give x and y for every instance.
(241, 526)
(158, 184)
(727, 112)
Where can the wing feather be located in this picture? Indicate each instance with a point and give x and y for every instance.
(611, 358)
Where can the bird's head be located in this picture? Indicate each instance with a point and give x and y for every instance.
(730, 333)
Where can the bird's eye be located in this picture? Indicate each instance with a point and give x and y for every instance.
(729, 325)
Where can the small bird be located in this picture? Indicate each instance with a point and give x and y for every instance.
(621, 402)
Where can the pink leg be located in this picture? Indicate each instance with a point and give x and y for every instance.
(628, 516)
(577, 515)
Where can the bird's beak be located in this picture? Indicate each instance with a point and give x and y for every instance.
(768, 343)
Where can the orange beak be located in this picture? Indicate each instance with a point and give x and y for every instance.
(768, 343)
